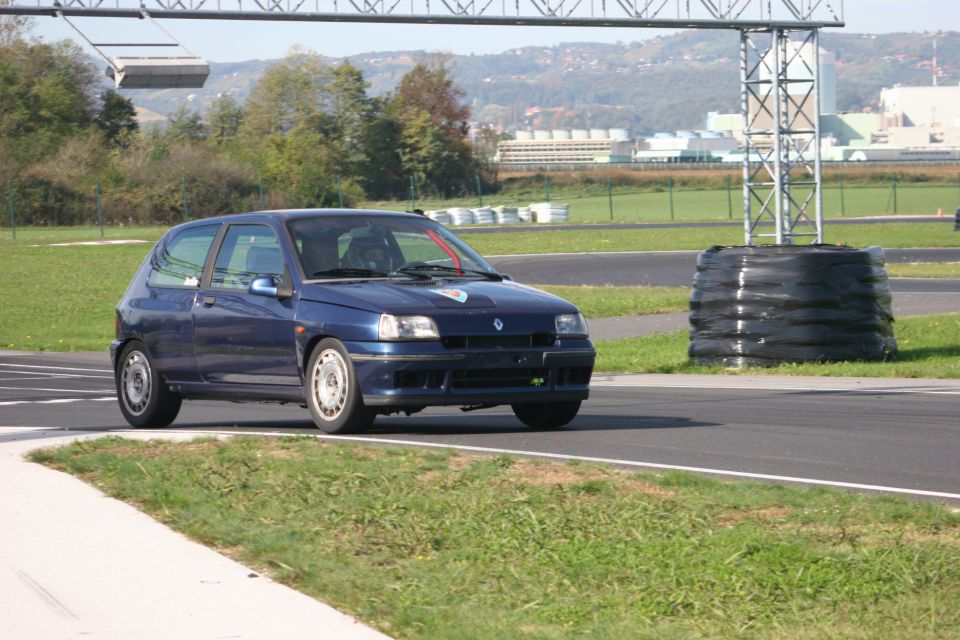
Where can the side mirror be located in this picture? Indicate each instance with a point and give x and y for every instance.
(264, 286)
(269, 287)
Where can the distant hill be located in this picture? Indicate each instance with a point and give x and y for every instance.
(663, 83)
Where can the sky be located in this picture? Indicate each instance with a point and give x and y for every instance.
(234, 41)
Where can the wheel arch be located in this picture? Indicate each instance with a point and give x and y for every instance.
(308, 348)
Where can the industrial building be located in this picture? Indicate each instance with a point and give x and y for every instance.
(566, 146)
(686, 146)
(913, 123)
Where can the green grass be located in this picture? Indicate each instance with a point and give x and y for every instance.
(890, 236)
(608, 302)
(589, 204)
(63, 298)
(929, 348)
(924, 270)
(439, 545)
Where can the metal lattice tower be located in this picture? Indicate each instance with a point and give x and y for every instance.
(779, 68)
(780, 100)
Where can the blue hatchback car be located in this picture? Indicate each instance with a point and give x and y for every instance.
(349, 313)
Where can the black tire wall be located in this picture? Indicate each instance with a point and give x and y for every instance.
(769, 304)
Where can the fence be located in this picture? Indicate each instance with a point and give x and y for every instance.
(662, 200)
(671, 200)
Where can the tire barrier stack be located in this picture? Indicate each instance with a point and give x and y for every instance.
(541, 213)
(956, 220)
(483, 215)
(460, 216)
(770, 304)
(440, 216)
(506, 215)
(548, 212)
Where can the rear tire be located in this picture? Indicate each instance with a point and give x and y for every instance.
(333, 392)
(546, 415)
(145, 400)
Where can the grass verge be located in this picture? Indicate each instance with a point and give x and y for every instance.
(437, 545)
(929, 348)
(924, 270)
(889, 236)
(609, 301)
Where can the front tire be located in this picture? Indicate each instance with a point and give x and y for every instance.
(145, 400)
(544, 415)
(333, 392)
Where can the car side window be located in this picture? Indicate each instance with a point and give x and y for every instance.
(178, 261)
(248, 251)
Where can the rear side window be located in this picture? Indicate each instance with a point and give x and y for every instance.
(248, 251)
(178, 261)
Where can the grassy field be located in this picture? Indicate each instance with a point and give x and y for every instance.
(653, 204)
(438, 545)
(929, 348)
(890, 236)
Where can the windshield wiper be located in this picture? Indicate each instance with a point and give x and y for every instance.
(351, 272)
(417, 268)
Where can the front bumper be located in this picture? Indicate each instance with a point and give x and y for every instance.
(426, 374)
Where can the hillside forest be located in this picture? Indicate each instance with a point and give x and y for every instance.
(309, 134)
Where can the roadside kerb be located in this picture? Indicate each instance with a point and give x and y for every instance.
(77, 563)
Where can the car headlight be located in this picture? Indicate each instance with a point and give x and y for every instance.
(572, 325)
(407, 328)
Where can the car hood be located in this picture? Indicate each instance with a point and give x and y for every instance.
(436, 297)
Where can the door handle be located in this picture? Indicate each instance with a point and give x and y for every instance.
(208, 301)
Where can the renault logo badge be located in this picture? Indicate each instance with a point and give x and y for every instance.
(498, 324)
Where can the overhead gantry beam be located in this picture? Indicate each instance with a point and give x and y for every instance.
(671, 14)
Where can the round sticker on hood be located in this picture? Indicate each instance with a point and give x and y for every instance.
(453, 294)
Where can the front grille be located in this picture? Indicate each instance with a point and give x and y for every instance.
(418, 379)
(574, 375)
(542, 339)
(499, 378)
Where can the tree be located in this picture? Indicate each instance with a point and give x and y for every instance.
(117, 118)
(185, 125)
(382, 174)
(429, 88)
(46, 97)
(306, 123)
(290, 94)
(224, 119)
(13, 28)
(433, 125)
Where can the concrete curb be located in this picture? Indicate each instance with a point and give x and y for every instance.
(76, 563)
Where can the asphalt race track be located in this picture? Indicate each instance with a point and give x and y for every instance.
(898, 435)
(676, 268)
(903, 436)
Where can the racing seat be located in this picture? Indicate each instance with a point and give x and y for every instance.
(368, 252)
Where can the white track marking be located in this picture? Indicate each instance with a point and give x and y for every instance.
(93, 243)
(770, 387)
(10, 403)
(66, 391)
(614, 461)
(54, 374)
(40, 366)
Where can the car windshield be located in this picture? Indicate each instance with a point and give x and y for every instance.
(371, 246)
